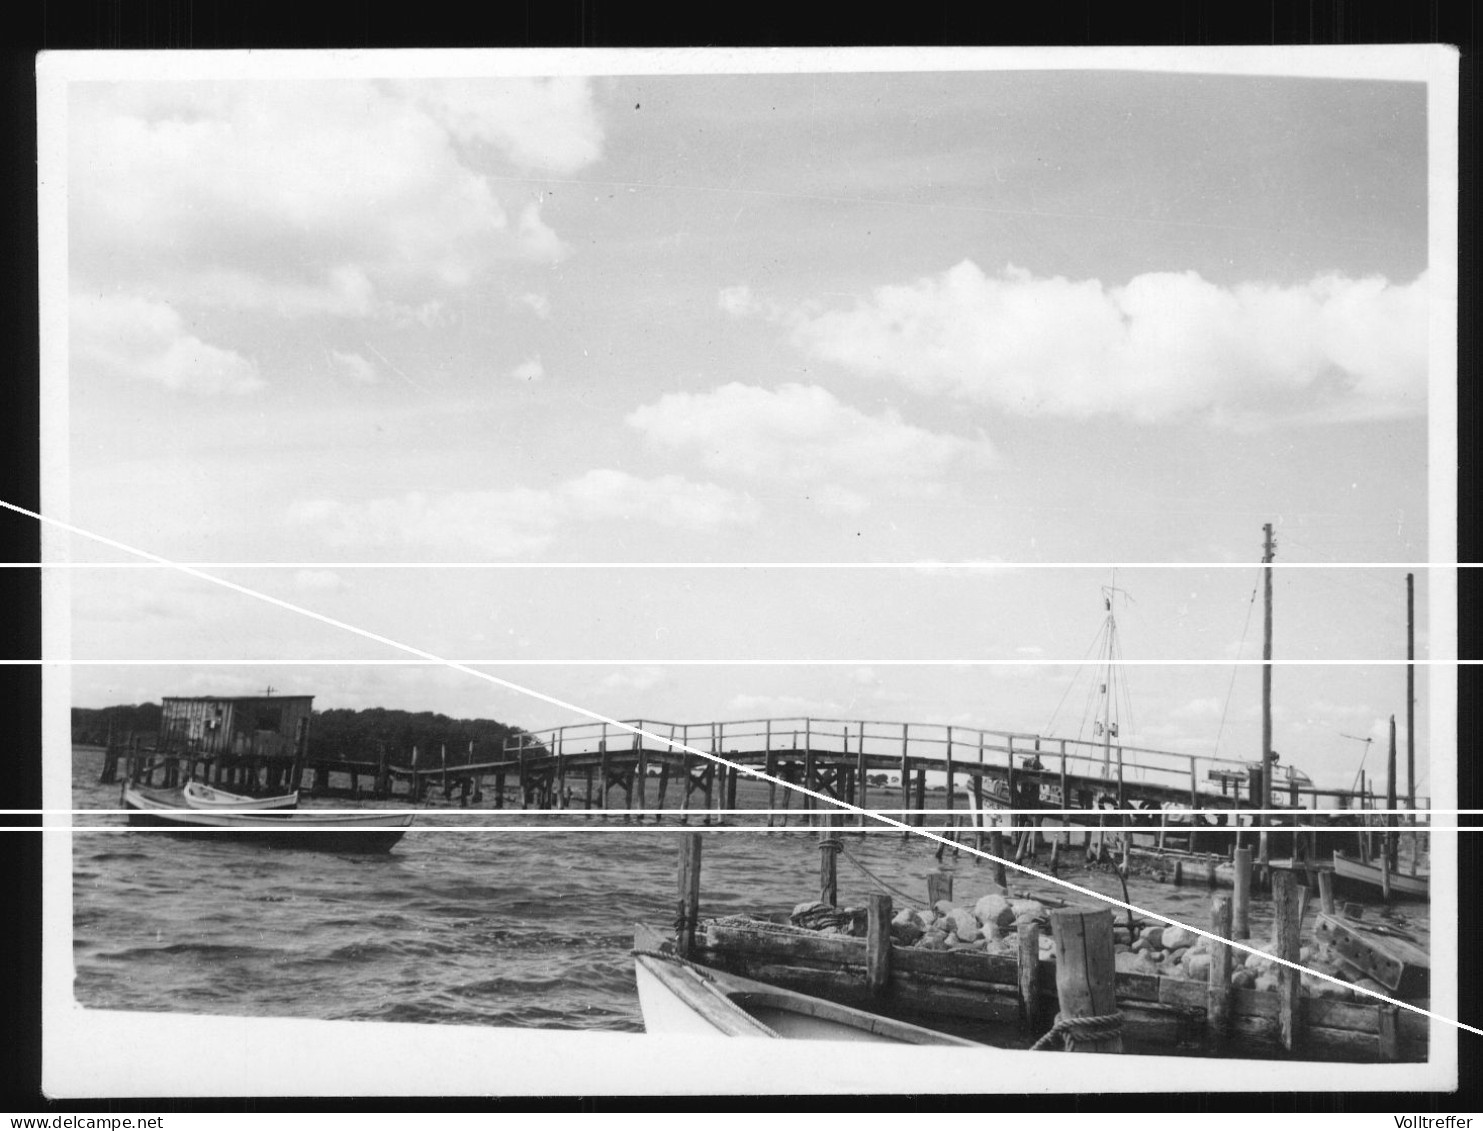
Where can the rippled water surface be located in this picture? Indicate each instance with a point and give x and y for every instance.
(498, 927)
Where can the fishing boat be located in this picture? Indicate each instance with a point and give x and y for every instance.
(199, 795)
(680, 998)
(299, 828)
(1370, 876)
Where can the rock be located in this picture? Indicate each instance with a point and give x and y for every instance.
(1266, 983)
(925, 919)
(904, 916)
(995, 909)
(1121, 948)
(1121, 935)
(1140, 945)
(1243, 978)
(1047, 946)
(1024, 908)
(945, 906)
(1153, 936)
(1130, 963)
(1197, 966)
(965, 926)
(906, 933)
(1178, 955)
(1176, 937)
(1027, 921)
(933, 940)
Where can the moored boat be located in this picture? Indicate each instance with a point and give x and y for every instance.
(681, 998)
(199, 795)
(1371, 876)
(370, 831)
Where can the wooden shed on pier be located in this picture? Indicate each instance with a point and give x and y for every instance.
(269, 727)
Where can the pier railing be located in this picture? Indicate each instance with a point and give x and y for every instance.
(940, 748)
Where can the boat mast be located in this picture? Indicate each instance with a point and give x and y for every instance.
(1269, 547)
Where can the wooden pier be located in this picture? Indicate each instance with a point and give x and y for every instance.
(880, 766)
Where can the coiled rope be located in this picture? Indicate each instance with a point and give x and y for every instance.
(1081, 1030)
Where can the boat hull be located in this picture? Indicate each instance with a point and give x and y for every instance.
(1356, 873)
(678, 999)
(302, 829)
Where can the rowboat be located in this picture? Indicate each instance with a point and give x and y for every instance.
(298, 828)
(199, 795)
(679, 998)
(1402, 886)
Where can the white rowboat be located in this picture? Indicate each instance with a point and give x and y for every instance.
(199, 795)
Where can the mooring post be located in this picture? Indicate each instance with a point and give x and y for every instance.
(1029, 974)
(689, 911)
(1085, 972)
(1241, 905)
(939, 887)
(1218, 992)
(878, 943)
(996, 850)
(828, 856)
(1287, 934)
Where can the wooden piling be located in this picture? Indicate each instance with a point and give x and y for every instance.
(1326, 892)
(1029, 974)
(1287, 934)
(862, 777)
(641, 772)
(689, 900)
(663, 787)
(1218, 991)
(828, 863)
(1178, 873)
(878, 944)
(905, 774)
(1241, 907)
(996, 850)
(1085, 971)
(1210, 874)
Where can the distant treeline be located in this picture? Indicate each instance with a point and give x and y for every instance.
(361, 735)
(340, 733)
(91, 725)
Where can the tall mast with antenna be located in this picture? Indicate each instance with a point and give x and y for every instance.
(1269, 548)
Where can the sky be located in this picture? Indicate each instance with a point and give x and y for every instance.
(694, 397)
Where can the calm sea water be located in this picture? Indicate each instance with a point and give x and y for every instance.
(509, 927)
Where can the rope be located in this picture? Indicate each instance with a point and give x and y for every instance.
(676, 959)
(873, 878)
(1081, 1030)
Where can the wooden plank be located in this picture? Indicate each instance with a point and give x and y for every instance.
(1389, 1038)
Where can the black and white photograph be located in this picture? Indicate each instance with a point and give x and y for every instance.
(616, 572)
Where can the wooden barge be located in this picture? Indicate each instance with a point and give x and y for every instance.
(1009, 1000)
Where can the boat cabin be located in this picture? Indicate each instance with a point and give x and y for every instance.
(257, 726)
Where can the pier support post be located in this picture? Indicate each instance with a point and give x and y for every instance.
(689, 900)
(878, 944)
(905, 775)
(1241, 905)
(1085, 971)
(1287, 909)
(1326, 892)
(1029, 974)
(1218, 992)
(996, 850)
(663, 787)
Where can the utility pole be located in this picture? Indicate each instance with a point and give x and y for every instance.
(1411, 694)
(1269, 547)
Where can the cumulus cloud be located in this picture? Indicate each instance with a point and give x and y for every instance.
(1163, 346)
(353, 366)
(139, 339)
(519, 522)
(803, 434)
(303, 198)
